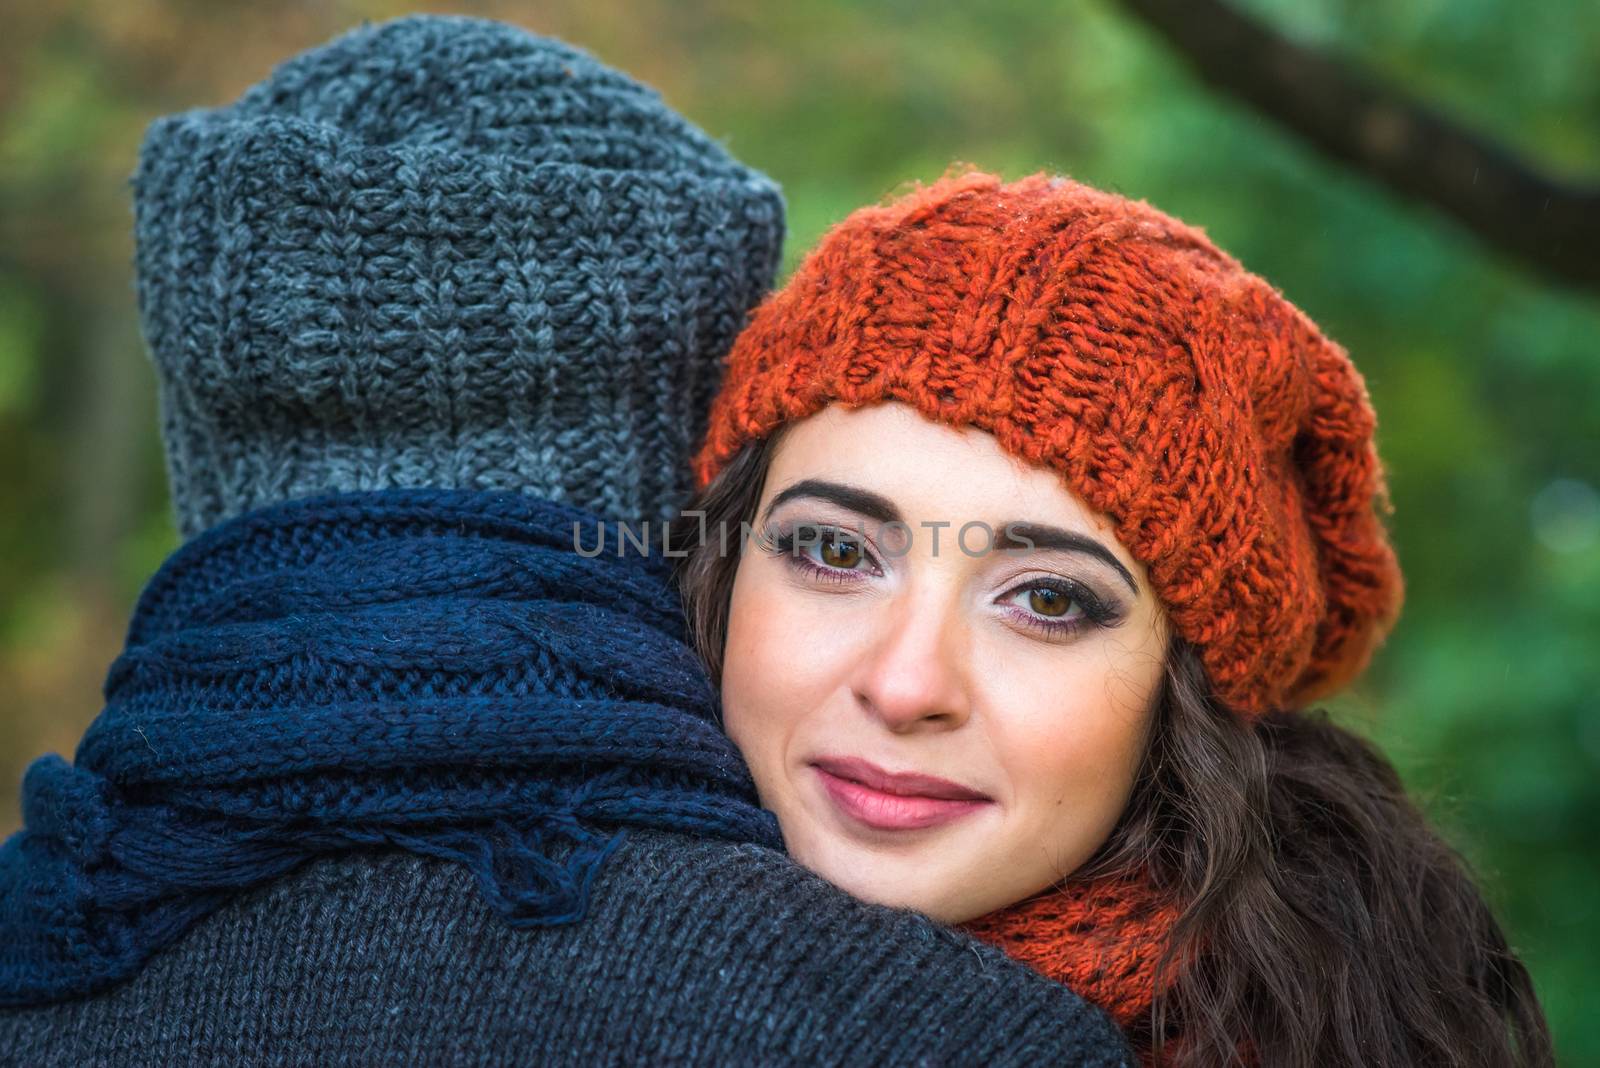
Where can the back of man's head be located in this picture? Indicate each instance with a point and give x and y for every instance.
(442, 251)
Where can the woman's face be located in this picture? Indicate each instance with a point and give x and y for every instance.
(859, 651)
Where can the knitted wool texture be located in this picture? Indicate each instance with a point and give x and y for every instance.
(436, 670)
(1231, 443)
(697, 952)
(1102, 938)
(442, 251)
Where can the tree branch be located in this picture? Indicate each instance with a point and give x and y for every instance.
(1551, 225)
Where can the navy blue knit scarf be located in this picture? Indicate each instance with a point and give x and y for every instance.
(435, 670)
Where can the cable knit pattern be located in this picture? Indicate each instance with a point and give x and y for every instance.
(442, 251)
(437, 670)
(1231, 443)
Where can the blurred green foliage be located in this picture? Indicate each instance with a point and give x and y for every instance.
(1486, 378)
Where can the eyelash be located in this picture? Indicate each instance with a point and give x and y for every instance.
(1096, 613)
(785, 543)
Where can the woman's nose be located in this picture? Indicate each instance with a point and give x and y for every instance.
(914, 676)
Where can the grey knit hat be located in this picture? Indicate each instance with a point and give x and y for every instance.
(442, 251)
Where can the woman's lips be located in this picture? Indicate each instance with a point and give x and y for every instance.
(886, 811)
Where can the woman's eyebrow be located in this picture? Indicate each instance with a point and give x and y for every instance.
(1015, 535)
(1012, 535)
(869, 504)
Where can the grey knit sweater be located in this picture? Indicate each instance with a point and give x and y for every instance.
(695, 952)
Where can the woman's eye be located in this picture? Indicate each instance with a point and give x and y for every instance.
(824, 555)
(1059, 610)
(841, 552)
(1047, 601)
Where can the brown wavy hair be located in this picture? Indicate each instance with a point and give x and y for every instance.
(1331, 925)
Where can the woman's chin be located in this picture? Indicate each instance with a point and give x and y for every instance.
(901, 881)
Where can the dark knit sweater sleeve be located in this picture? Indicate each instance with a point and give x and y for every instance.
(694, 952)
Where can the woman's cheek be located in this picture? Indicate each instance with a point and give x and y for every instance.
(1070, 744)
(744, 664)
(774, 665)
(797, 642)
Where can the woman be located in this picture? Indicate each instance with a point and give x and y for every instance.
(1065, 521)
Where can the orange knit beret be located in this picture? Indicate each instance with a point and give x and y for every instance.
(1229, 441)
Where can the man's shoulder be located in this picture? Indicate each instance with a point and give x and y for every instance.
(692, 950)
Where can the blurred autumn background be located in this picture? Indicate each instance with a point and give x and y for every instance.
(1423, 178)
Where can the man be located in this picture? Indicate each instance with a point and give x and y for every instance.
(387, 772)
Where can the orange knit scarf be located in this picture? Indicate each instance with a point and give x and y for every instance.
(1101, 938)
